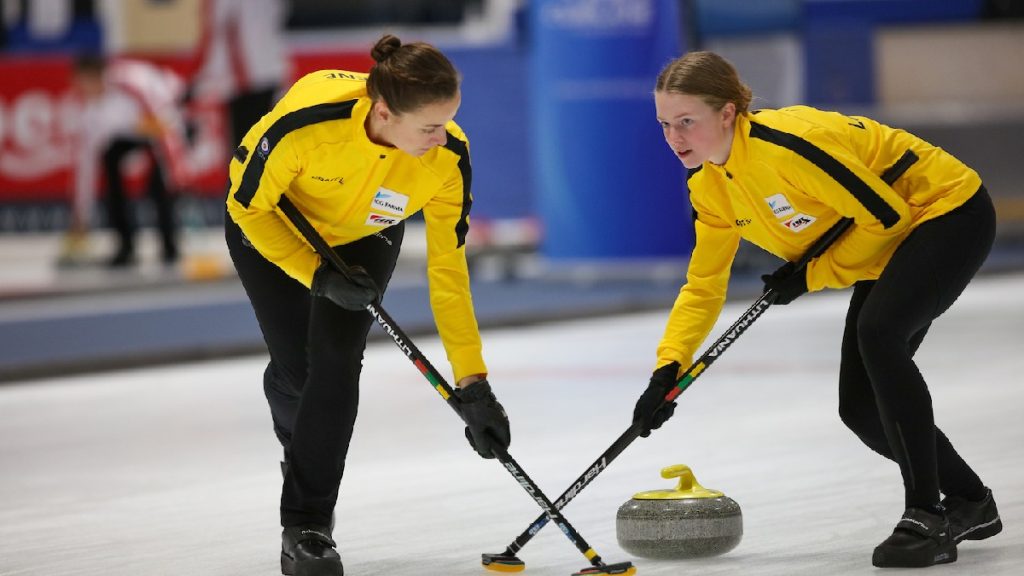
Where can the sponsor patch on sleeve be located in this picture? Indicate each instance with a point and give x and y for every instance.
(264, 148)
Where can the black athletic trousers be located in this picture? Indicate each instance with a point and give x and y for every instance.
(883, 397)
(316, 354)
(119, 211)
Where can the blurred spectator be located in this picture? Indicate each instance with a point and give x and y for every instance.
(243, 59)
(129, 105)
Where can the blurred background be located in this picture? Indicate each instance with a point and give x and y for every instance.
(579, 208)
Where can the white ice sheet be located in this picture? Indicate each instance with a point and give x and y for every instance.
(173, 470)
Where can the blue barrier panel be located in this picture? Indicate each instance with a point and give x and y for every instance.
(494, 115)
(721, 18)
(840, 61)
(608, 187)
(839, 41)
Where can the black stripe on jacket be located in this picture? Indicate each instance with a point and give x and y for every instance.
(834, 168)
(277, 131)
(462, 151)
(689, 174)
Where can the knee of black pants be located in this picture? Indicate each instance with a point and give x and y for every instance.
(858, 408)
(856, 397)
(860, 414)
(878, 339)
(283, 393)
(857, 414)
(277, 382)
(336, 348)
(855, 403)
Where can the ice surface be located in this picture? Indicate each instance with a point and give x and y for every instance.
(173, 470)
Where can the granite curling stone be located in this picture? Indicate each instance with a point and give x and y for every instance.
(688, 522)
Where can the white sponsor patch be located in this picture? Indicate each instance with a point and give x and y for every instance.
(382, 220)
(779, 205)
(799, 222)
(390, 201)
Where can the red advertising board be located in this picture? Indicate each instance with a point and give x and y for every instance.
(39, 123)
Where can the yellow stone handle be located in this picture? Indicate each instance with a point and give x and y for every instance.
(686, 478)
(688, 484)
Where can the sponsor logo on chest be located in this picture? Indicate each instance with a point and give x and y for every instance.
(799, 222)
(387, 200)
(382, 220)
(781, 208)
(779, 205)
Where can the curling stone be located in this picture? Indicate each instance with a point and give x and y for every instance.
(688, 522)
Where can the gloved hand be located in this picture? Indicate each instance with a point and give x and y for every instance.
(787, 283)
(646, 412)
(486, 422)
(352, 293)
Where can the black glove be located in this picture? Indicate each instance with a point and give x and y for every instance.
(646, 412)
(486, 422)
(786, 283)
(351, 293)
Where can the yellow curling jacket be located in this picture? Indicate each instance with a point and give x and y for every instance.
(791, 174)
(313, 146)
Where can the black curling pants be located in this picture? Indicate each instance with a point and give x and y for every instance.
(316, 355)
(882, 396)
(119, 212)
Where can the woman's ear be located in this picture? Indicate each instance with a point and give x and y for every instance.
(728, 113)
(381, 110)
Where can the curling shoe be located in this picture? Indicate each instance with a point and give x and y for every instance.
(970, 520)
(308, 550)
(922, 538)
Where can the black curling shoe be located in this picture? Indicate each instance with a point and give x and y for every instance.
(921, 539)
(309, 551)
(971, 520)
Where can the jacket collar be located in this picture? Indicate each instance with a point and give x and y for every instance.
(739, 150)
(359, 137)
